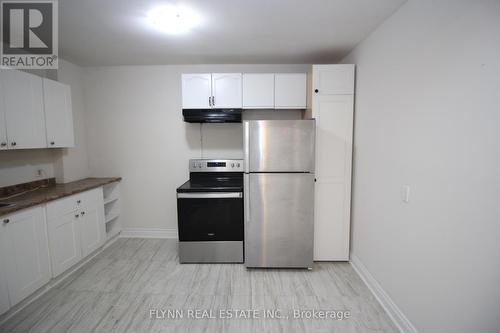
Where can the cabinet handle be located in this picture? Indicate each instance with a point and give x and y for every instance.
(82, 213)
(3, 144)
(6, 221)
(213, 100)
(77, 215)
(209, 101)
(78, 201)
(52, 143)
(13, 143)
(316, 91)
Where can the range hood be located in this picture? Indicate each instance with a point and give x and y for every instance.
(212, 115)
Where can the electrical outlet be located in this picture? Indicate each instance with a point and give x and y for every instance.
(39, 172)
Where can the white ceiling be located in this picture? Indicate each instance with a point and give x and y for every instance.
(113, 32)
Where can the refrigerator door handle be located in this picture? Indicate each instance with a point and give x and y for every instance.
(246, 197)
(246, 146)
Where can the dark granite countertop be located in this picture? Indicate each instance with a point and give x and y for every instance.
(50, 192)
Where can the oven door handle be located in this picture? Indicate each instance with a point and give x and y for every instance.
(210, 195)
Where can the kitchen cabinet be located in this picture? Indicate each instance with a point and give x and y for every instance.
(3, 124)
(25, 249)
(64, 242)
(76, 228)
(4, 291)
(24, 120)
(92, 227)
(258, 91)
(334, 80)
(206, 91)
(196, 91)
(58, 114)
(290, 91)
(333, 108)
(226, 91)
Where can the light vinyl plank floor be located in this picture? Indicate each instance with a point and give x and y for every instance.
(116, 290)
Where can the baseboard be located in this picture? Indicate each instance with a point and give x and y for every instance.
(148, 233)
(53, 283)
(397, 316)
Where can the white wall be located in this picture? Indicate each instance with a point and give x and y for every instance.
(72, 163)
(427, 114)
(20, 166)
(135, 130)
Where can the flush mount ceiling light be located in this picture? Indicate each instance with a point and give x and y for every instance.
(173, 19)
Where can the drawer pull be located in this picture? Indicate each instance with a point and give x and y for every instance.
(6, 221)
(77, 215)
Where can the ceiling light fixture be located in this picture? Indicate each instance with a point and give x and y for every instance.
(173, 19)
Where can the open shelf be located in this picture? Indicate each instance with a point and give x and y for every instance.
(111, 193)
(107, 201)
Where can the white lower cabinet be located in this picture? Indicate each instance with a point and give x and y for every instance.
(75, 229)
(64, 242)
(24, 246)
(4, 289)
(92, 228)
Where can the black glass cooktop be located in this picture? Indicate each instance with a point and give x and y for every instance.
(213, 182)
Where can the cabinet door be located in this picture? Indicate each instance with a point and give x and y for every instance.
(23, 97)
(4, 291)
(333, 79)
(24, 241)
(64, 242)
(258, 91)
(196, 91)
(226, 90)
(334, 130)
(3, 125)
(92, 228)
(58, 114)
(290, 91)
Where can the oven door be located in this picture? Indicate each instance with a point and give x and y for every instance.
(210, 216)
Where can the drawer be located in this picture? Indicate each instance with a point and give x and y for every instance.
(74, 202)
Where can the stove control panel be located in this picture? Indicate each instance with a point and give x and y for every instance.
(201, 165)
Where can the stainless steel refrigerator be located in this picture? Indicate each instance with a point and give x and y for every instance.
(279, 192)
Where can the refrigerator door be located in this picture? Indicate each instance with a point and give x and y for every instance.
(279, 219)
(279, 145)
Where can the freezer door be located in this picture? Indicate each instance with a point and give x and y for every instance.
(279, 220)
(279, 145)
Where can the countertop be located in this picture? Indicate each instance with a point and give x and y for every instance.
(53, 192)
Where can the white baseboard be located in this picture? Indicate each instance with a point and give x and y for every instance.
(397, 316)
(149, 233)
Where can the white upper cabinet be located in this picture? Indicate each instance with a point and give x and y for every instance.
(290, 91)
(3, 125)
(24, 116)
(58, 114)
(196, 91)
(226, 90)
(333, 80)
(258, 91)
(208, 91)
(25, 248)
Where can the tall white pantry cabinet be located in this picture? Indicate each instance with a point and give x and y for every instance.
(331, 103)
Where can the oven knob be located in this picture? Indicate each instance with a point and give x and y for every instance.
(232, 165)
(238, 165)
